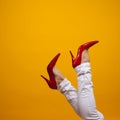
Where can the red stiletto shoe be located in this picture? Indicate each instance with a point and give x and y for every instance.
(52, 82)
(77, 61)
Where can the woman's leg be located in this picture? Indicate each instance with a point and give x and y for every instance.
(58, 81)
(86, 101)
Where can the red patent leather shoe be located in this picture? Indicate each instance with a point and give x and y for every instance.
(77, 61)
(52, 82)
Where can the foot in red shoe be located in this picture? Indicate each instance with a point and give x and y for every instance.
(77, 61)
(52, 82)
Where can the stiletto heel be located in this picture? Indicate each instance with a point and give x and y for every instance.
(77, 61)
(52, 82)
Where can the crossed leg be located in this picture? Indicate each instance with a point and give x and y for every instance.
(82, 100)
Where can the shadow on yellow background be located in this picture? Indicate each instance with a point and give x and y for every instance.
(32, 32)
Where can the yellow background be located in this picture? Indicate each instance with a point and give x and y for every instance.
(32, 32)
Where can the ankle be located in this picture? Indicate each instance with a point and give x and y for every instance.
(85, 57)
(58, 76)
